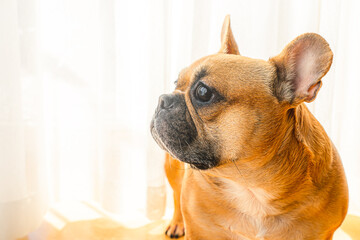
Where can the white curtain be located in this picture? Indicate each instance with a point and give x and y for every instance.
(79, 82)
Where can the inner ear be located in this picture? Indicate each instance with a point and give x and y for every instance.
(301, 66)
(228, 44)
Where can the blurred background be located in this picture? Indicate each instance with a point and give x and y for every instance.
(80, 79)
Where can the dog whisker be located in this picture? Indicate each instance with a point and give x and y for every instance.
(243, 178)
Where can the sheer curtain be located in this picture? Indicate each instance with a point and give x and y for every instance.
(79, 81)
(101, 80)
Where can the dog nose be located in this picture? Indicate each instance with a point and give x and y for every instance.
(166, 101)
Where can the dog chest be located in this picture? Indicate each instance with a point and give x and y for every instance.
(251, 204)
(255, 202)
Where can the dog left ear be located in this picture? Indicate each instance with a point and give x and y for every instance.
(300, 67)
(228, 44)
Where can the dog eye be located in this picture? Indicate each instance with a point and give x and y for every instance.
(203, 93)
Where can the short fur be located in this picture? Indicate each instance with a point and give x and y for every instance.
(261, 165)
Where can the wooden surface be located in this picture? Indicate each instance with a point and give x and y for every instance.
(107, 229)
(104, 228)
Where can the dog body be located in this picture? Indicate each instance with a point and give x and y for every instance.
(264, 202)
(261, 165)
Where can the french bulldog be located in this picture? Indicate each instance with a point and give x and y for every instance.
(245, 157)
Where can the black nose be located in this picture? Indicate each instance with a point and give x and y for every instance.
(166, 101)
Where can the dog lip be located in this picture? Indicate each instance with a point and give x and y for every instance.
(158, 140)
(198, 165)
(156, 137)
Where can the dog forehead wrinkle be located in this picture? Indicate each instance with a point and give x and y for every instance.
(202, 72)
(199, 73)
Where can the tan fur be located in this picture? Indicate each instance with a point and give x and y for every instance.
(174, 170)
(280, 177)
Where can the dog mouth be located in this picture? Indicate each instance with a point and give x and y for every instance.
(156, 137)
(162, 143)
(175, 132)
(201, 162)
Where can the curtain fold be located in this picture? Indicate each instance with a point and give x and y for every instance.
(23, 189)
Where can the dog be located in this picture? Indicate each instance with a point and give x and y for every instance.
(254, 162)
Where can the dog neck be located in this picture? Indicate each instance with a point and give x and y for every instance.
(300, 153)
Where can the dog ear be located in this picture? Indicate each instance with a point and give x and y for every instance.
(300, 67)
(228, 44)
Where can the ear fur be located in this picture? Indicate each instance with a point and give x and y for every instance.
(300, 67)
(228, 44)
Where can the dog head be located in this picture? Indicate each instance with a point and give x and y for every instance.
(227, 107)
